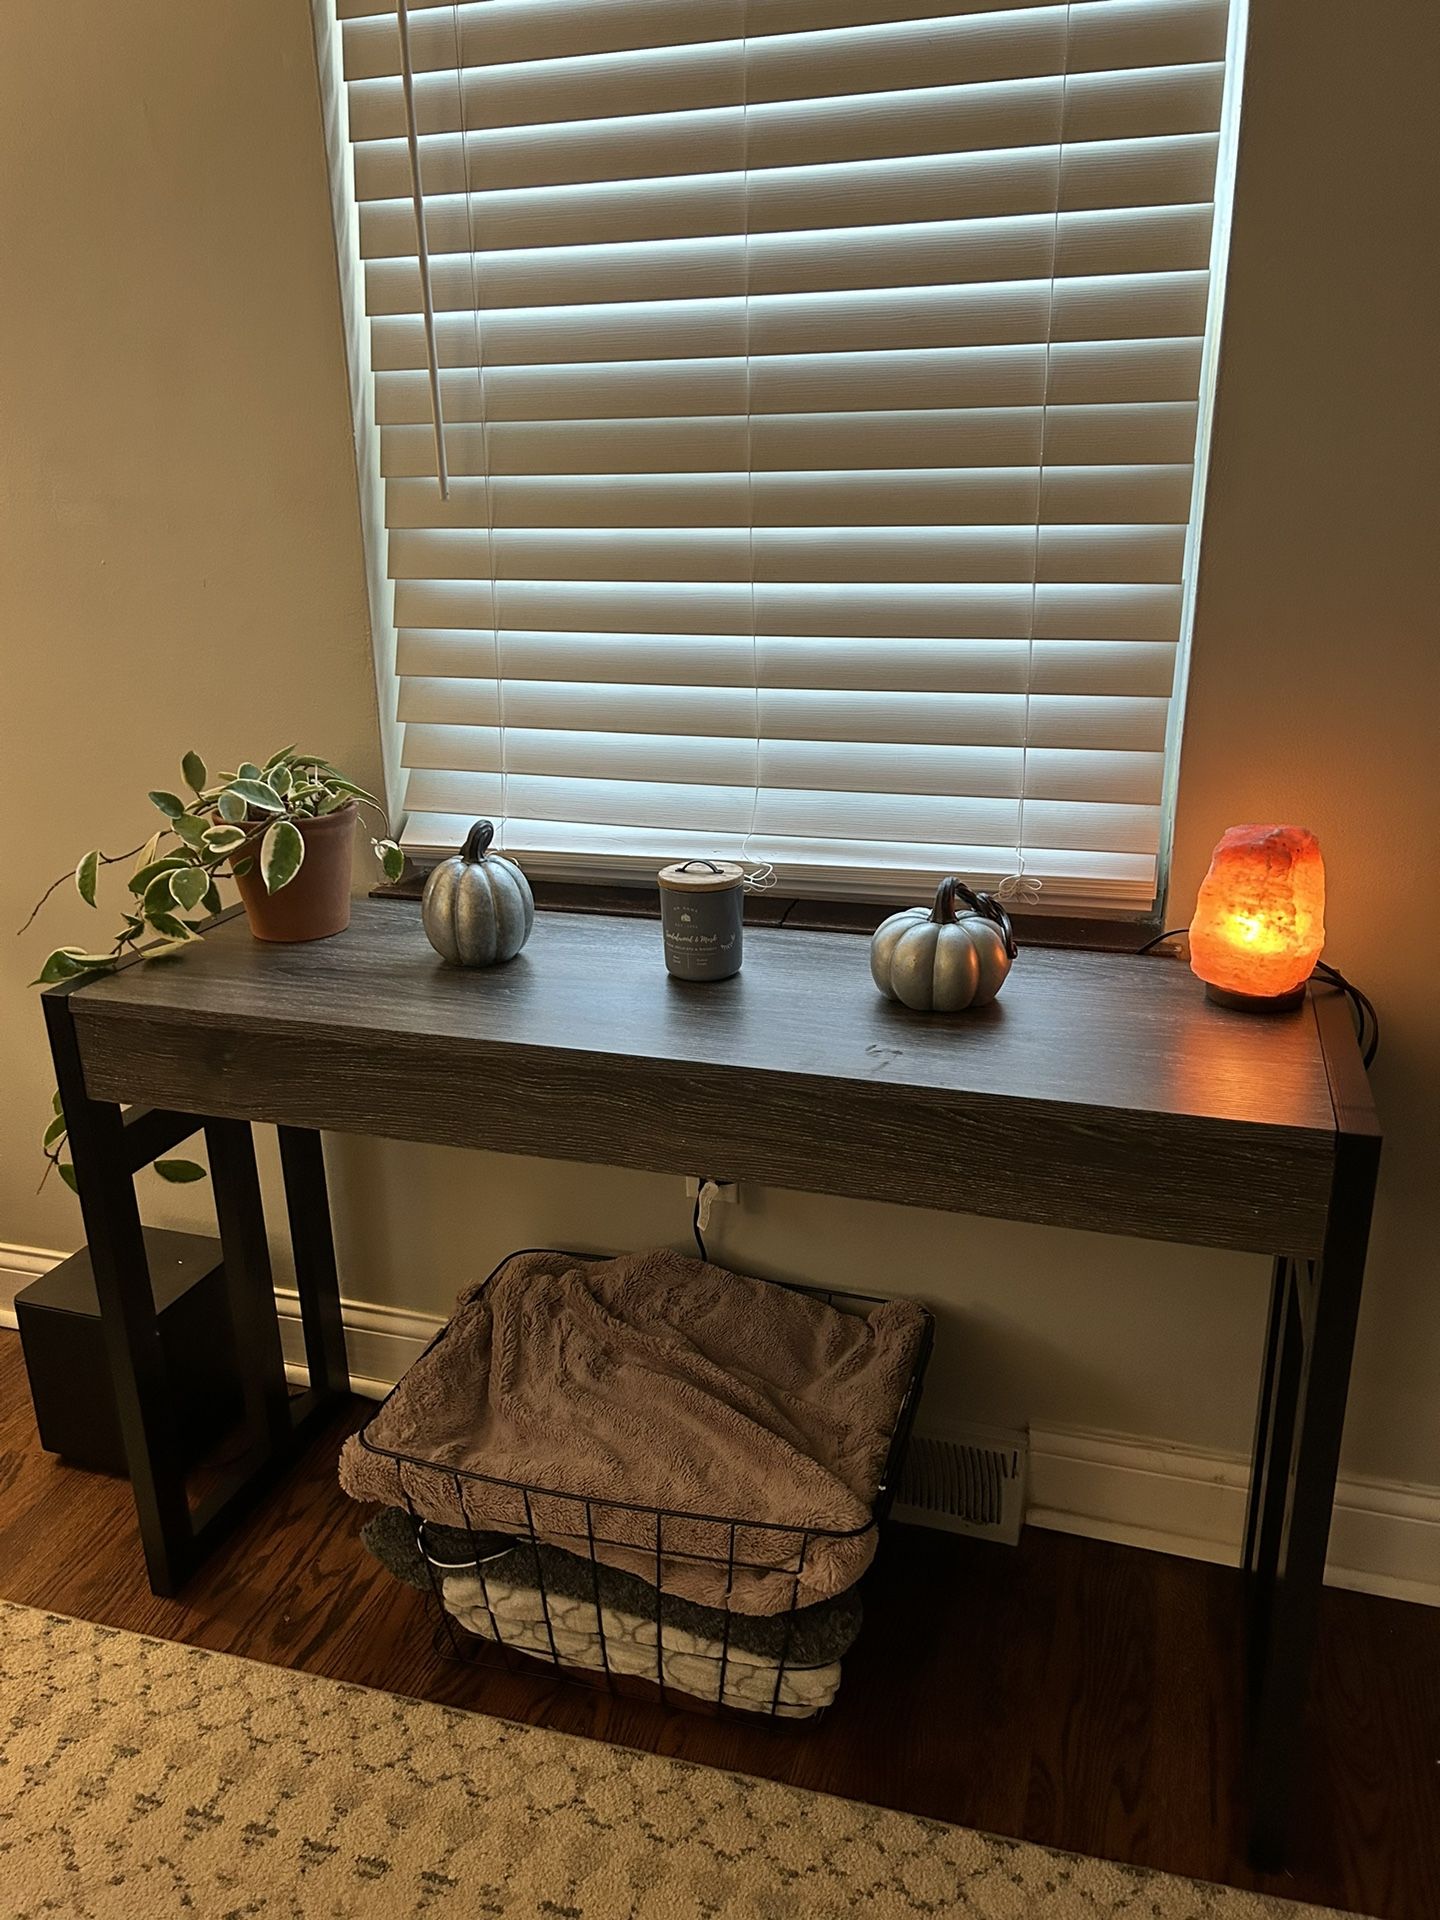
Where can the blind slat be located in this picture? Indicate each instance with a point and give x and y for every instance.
(1160, 433)
(904, 556)
(1115, 240)
(1129, 104)
(1138, 306)
(1119, 611)
(975, 496)
(1104, 35)
(852, 193)
(1071, 374)
(1108, 669)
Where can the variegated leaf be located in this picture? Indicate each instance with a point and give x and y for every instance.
(189, 887)
(194, 770)
(281, 852)
(58, 966)
(160, 894)
(191, 829)
(86, 874)
(258, 795)
(142, 877)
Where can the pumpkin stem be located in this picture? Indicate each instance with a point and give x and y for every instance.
(944, 912)
(476, 841)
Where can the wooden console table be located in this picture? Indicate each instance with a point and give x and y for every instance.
(1101, 1091)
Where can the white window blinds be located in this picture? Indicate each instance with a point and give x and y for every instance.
(818, 384)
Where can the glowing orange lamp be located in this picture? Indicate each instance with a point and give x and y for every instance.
(1260, 918)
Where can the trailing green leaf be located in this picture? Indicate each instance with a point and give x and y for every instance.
(191, 829)
(224, 839)
(179, 1172)
(55, 1131)
(278, 777)
(349, 787)
(212, 902)
(189, 887)
(281, 853)
(248, 770)
(57, 1103)
(171, 926)
(194, 770)
(257, 795)
(86, 874)
(230, 806)
(392, 858)
(168, 803)
(160, 894)
(58, 966)
(239, 868)
(141, 880)
(67, 1174)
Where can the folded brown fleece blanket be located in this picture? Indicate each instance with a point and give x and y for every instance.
(760, 1415)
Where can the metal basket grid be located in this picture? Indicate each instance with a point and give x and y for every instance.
(764, 1547)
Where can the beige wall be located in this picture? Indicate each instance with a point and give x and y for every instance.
(181, 565)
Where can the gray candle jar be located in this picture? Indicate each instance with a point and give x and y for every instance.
(702, 918)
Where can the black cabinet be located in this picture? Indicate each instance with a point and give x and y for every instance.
(59, 1319)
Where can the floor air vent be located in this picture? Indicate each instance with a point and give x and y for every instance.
(970, 1482)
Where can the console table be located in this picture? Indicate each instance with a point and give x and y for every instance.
(1100, 1091)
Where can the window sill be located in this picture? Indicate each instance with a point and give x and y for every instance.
(824, 916)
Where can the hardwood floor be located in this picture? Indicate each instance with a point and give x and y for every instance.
(1067, 1691)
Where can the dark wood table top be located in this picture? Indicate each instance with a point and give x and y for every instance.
(1100, 1090)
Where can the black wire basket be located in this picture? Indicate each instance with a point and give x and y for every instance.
(539, 1594)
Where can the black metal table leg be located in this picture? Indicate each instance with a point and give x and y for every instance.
(104, 1178)
(1309, 1346)
(108, 1145)
(307, 1203)
(248, 1283)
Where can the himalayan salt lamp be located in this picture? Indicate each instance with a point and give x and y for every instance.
(1260, 918)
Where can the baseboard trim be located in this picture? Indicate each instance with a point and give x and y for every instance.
(1385, 1538)
(380, 1341)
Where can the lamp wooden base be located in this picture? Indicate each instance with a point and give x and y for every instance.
(1255, 1002)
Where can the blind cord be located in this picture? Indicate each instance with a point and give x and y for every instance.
(422, 248)
(1020, 888)
(762, 876)
(502, 825)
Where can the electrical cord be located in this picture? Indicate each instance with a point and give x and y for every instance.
(1362, 1008)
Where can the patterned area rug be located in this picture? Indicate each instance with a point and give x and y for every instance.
(143, 1779)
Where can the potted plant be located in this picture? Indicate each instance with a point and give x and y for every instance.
(282, 832)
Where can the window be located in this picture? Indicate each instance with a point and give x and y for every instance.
(789, 425)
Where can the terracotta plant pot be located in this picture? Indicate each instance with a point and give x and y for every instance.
(317, 901)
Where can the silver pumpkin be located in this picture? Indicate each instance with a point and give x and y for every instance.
(477, 907)
(942, 960)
